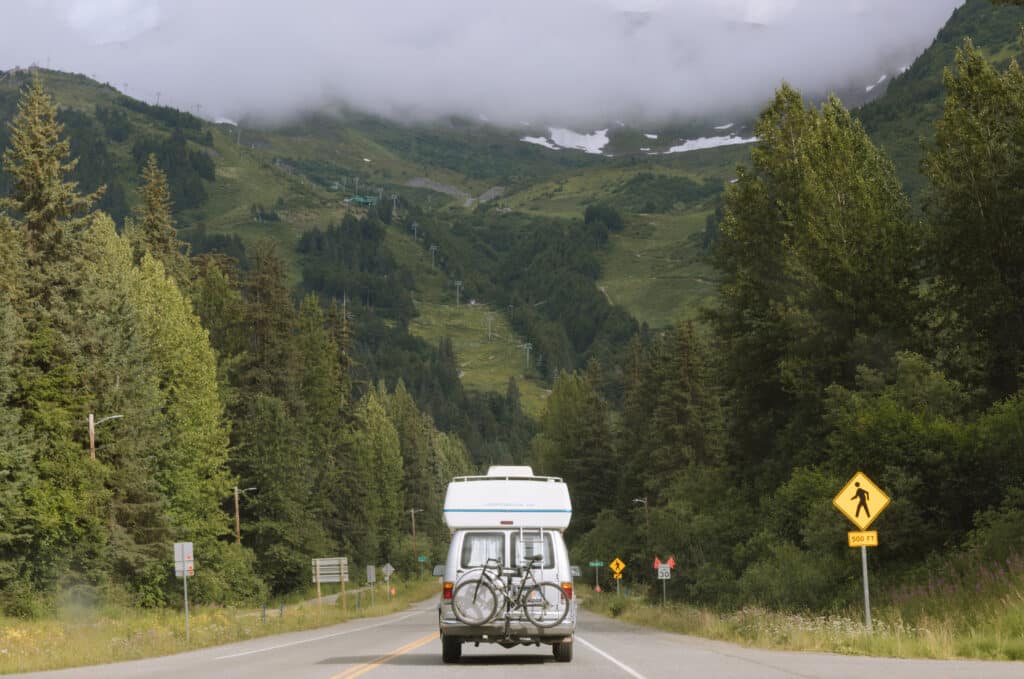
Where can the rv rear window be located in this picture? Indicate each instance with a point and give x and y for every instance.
(532, 545)
(477, 548)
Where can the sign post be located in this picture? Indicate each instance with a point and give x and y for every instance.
(617, 565)
(371, 580)
(387, 569)
(861, 501)
(596, 565)
(331, 569)
(183, 568)
(664, 574)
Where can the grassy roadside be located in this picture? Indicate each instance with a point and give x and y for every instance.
(998, 636)
(88, 637)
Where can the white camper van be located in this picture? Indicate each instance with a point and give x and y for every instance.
(507, 579)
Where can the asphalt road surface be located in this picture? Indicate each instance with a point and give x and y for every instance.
(406, 645)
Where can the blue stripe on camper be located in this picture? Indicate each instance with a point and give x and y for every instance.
(511, 511)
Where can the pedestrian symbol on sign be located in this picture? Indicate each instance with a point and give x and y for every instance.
(862, 500)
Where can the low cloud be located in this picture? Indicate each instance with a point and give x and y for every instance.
(568, 62)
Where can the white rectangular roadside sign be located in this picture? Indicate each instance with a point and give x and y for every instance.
(183, 562)
(184, 568)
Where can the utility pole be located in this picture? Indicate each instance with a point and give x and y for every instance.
(415, 226)
(527, 346)
(490, 320)
(433, 251)
(158, 97)
(458, 291)
(92, 432)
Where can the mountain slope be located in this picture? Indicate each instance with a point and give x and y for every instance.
(902, 119)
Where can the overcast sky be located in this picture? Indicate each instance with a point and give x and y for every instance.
(542, 61)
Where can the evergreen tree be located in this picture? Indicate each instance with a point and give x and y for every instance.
(414, 435)
(19, 482)
(575, 443)
(686, 420)
(371, 483)
(153, 230)
(49, 215)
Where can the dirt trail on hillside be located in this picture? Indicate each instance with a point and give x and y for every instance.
(454, 191)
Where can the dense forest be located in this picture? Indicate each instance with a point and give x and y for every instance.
(853, 331)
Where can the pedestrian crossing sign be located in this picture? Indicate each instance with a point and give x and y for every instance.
(861, 500)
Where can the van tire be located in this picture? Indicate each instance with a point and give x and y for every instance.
(562, 651)
(451, 650)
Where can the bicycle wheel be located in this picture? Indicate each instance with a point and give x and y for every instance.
(474, 602)
(545, 604)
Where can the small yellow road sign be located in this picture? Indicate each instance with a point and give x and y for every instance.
(867, 538)
(617, 576)
(617, 565)
(861, 500)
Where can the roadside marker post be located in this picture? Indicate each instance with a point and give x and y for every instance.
(861, 496)
(388, 570)
(596, 565)
(183, 568)
(617, 565)
(664, 574)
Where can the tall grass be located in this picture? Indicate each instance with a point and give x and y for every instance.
(976, 614)
(79, 636)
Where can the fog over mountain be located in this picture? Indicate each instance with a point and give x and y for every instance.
(571, 61)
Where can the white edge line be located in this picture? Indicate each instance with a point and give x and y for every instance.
(623, 666)
(306, 641)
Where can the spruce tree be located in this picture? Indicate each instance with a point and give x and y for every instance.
(575, 443)
(153, 230)
(49, 215)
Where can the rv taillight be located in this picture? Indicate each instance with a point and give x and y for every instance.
(506, 523)
(567, 588)
(446, 590)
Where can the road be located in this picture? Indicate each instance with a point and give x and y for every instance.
(406, 645)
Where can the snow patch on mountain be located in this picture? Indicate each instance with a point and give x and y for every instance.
(724, 127)
(542, 141)
(881, 80)
(710, 143)
(650, 136)
(588, 143)
(563, 138)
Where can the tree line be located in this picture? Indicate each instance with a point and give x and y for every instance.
(852, 333)
(221, 378)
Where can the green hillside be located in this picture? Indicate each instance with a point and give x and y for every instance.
(902, 120)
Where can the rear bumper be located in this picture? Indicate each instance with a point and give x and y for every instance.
(500, 630)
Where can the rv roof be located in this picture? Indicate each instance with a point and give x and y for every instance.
(509, 470)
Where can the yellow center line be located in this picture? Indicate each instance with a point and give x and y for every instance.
(362, 669)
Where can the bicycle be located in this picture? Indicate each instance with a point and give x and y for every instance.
(475, 600)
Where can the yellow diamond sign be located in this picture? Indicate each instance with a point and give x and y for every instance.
(861, 500)
(617, 565)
